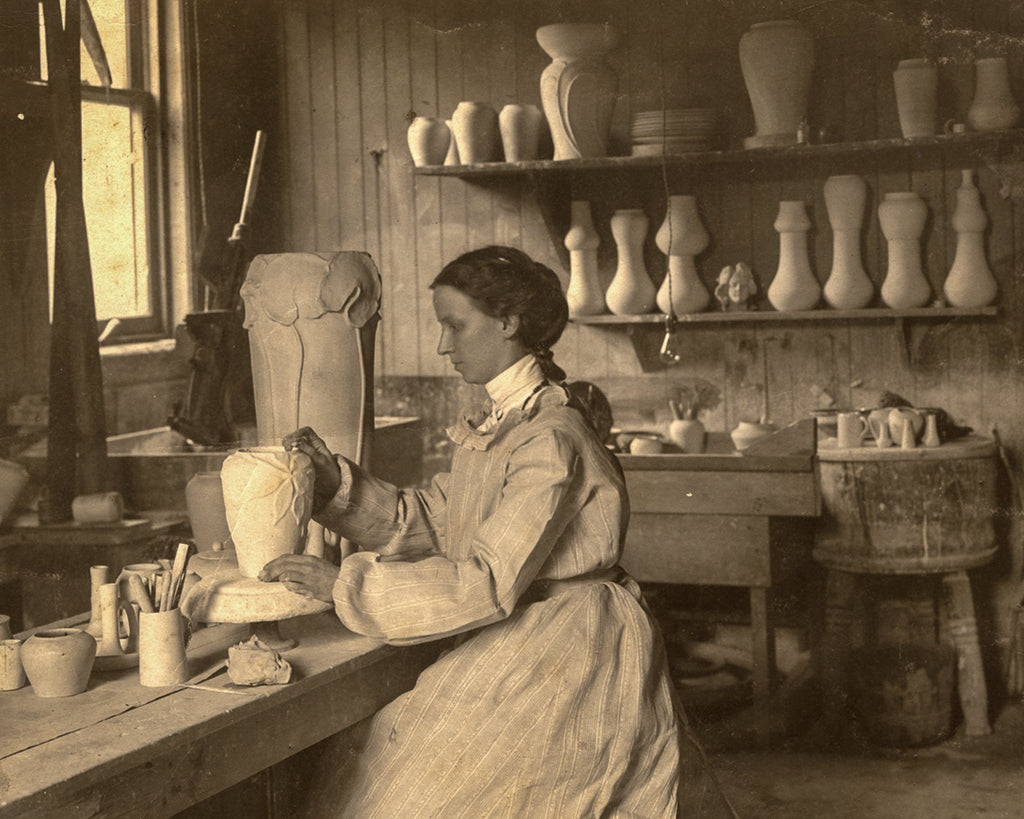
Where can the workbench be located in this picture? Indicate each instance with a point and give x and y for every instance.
(120, 749)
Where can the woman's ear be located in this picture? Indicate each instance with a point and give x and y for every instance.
(510, 326)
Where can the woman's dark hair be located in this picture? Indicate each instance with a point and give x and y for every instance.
(504, 281)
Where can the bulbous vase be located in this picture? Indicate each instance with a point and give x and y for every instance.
(631, 291)
(902, 215)
(688, 434)
(916, 83)
(428, 139)
(777, 58)
(452, 157)
(794, 286)
(520, 127)
(204, 502)
(970, 282)
(476, 132)
(584, 294)
(848, 286)
(993, 107)
(681, 237)
(58, 661)
(577, 89)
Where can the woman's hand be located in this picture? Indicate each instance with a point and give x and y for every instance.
(328, 474)
(307, 575)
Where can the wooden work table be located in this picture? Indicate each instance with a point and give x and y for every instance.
(118, 746)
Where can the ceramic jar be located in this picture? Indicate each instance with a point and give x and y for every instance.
(916, 83)
(584, 294)
(777, 59)
(746, 432)
(794, 286)
(12, 673)
(520, 127)
(98, 575)
(902, 215)
(688, 434)
(58, 661)
(428, 139)
(848, 286)
(970, 282)
(162, 657)
(577, 89)
(268, 495)
(993, 106)
(204, 501)
(681, 237)
(476, 132)
(631, 291)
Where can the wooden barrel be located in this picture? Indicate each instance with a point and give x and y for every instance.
(907, 511)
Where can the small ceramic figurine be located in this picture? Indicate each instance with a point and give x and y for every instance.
(736, 286)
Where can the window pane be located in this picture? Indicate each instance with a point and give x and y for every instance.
(113, 30)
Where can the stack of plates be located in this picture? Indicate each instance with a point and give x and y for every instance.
(674, 131)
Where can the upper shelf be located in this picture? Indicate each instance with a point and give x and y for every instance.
(824, 314)
(976, 143)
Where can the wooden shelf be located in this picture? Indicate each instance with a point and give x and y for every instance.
(769, 316)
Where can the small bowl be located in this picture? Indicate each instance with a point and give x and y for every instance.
(646, 443)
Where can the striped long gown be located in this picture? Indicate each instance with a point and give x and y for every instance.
(551, 709)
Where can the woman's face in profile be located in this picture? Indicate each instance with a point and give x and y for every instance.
(479, 346)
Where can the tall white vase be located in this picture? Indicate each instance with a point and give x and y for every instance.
(848, 286)
(428, 139)
(916, 83)
(681, 237)
(476, 132)
(902, 215)
(577, 89)
(993, 106)
(970, 282)
(520, 127)
(631, 291)
(777, 58)
(584, 293)
(794, 286)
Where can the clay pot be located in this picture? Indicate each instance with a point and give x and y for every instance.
(902, 216)
(688, 434)
(681, 237)
(204, 500)
(98, 575)
(428, 139)
(476, 132)
(12, 673)
(746, 432)
(520, 127)
(993, 106)
(583, 294)
(631, 290)
(58, 661)
(970, 282)
(577, 89)
(794, 286)
(848, 286)
(916, 82)
(162, 657)
(777, 58)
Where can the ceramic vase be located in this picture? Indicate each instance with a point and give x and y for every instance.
(520, 127)
(970, 282)
(204, 502)
(916, 83)
(993, 106)
(162, 657)
(428, 139)
(777, 59)
(268, 495)
(848, 286)
(98, 575)
(746, 432)
(688, 434)
(794, 286)
(681, 237)
(902, 216)
(12, 672)
(577, 89)
(476, 132)
(584, 294)
(631, 291)
(109, 644)
(452, 157)
(58, 661)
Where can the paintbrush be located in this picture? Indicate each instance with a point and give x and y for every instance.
(178, 575)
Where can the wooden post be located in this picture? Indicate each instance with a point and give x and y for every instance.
(970, 673)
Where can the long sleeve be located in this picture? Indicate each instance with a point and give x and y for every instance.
(483, 569)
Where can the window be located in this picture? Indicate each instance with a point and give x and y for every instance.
(121, 170)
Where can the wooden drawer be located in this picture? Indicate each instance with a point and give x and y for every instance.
(722, 492)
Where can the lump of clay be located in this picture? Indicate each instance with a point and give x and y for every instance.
(255, 663)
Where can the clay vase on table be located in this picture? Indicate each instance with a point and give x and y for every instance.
(577, 89)
(681, 237)
(746, 432)
(583, 295)
(58, 661)
(204, 502)
(993, 107)
(688, 434)
(631, 291)
(970, 282)
(902, 215)
(520, 127)
(476, 133)
(916, 83)
(848, 286)
(98, 575)
(777, 59)
(794, 286)
(428, 139)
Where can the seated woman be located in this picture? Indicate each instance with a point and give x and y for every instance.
(555, 700)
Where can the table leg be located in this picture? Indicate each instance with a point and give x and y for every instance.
(762, 634)
(963, 628)
(837, 640)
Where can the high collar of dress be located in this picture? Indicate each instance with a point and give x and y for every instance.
(513, 385)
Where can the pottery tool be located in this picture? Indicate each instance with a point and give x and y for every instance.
(139, 594)
(178, 575)
(163, 590)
